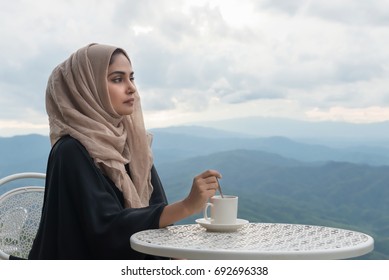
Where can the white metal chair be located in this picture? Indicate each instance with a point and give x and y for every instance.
(20, 213)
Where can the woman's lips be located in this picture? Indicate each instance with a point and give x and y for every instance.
(130, 101)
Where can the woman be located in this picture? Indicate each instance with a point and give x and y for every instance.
(101, 184)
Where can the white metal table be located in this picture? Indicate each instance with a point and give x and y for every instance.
(253, 241)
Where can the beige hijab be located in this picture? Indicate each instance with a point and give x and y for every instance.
(78, 104)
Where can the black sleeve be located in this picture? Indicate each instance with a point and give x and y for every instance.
(83, 216)
(158, 195)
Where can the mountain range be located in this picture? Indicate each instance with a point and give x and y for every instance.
(318, 132)
(170, 145)
(277, 179)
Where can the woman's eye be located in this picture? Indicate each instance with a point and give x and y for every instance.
(121, 79)
(117, 80)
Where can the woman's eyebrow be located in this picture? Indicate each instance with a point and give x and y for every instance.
(120, 73)
(116, 73)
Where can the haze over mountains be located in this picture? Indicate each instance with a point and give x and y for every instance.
(323, 132)
(277, 177)
(319, 141)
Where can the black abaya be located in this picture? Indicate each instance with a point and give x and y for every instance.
(83, 216)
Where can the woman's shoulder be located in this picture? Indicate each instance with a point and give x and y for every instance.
(66, 142)
(68, 146)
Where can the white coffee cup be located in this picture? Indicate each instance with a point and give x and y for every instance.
(224, 211)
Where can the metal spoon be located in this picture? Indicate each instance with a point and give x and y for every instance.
(220, 189)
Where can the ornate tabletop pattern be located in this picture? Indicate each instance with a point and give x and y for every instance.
(256, 237)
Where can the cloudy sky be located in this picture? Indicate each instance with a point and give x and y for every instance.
(201, 60)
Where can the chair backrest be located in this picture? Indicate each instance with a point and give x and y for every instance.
(20, 213)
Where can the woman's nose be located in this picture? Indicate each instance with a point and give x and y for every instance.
(131, 86)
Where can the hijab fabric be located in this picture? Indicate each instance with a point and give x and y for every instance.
(78, 104)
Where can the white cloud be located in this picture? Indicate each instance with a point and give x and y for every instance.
(13, 127)
(191, 56)
(353, 115)
(138, 29)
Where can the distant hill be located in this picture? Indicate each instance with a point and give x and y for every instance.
(170, 145)
(200, 131)
(320, 132)
(23, 153)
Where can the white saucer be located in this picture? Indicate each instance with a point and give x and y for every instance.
(221, 228)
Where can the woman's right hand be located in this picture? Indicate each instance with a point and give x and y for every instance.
(204, 186)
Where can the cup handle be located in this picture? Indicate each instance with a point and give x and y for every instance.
(205, 212)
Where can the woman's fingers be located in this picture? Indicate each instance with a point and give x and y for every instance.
(210, 173)
(206, 181)
(204, 186)
(208, 177)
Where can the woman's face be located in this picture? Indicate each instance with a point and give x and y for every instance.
(121, 87)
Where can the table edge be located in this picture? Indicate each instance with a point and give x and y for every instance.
(198, 254)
